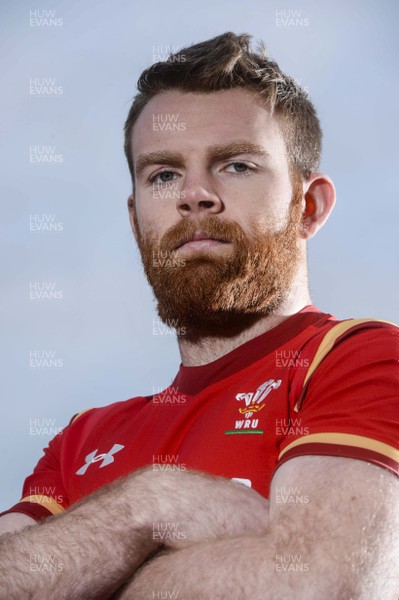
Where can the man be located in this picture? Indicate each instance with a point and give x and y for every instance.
(267, 468)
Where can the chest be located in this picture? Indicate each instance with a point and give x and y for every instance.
(232, 430)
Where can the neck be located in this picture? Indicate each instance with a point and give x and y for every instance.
(203, 349)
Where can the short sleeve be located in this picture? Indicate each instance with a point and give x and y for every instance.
(350, 405)
(43, 492)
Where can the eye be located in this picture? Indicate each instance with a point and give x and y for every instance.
(163, 177)
(240, 168)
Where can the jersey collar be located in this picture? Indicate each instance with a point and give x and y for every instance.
(192, 380)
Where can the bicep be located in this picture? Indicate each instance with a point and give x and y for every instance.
(345, 512)
(13, 522)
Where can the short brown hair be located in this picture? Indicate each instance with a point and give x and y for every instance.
(225, 62)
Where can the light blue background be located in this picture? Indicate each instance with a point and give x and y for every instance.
(102, 329)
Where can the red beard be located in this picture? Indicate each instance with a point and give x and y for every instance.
(206, 292)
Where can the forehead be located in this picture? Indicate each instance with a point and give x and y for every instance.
(186, 122)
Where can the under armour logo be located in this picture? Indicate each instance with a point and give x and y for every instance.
(106, 459)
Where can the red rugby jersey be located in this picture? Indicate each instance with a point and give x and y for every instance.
(311, 385)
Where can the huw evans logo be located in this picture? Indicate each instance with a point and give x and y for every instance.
(45, 290)
(44, 18)
(44, 222)
(44, 359)
(44, 155)
(167, 54)
(291, 18)
(44, 86)
(167, 122)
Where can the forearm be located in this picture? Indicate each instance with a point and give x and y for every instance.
(87, 552)
(243, 568)
(93, 548)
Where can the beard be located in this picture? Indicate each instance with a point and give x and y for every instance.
(212, 293)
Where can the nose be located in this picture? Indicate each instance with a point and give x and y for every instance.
(197, 198)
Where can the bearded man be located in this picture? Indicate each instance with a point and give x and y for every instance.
(267, 468)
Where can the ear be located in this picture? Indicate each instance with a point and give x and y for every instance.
(319, 198)
(132, 215)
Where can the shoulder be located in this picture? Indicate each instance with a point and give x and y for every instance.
(97, 414)
(368, 338)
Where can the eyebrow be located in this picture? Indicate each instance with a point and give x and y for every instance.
(219, 152)
(224, 151)
(157, 158)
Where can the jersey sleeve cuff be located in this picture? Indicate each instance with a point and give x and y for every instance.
(36, 511)
(38, 507)
(343, 444)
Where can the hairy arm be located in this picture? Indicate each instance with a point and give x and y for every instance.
(94, 547)
(334, 533)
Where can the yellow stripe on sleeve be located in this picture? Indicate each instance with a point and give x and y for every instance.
(79, 415)
(331, 337)
(345, 439)
(45, 501)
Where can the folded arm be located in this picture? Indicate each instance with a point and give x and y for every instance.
(91, 550)
(334, 533)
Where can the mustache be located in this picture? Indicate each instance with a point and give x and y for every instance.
(209, 226)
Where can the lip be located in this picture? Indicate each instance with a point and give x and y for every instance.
(200, 240)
